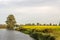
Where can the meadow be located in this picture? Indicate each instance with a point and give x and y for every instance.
(41, 27)
(51, 31)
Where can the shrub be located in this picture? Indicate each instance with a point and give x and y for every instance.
(41, 36)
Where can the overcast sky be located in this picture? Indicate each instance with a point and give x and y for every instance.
(31, 11)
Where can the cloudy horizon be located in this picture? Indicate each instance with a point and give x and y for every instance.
(31, 11)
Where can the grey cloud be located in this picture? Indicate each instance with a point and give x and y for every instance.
(17, 3)
(28, 3)
(36, 2)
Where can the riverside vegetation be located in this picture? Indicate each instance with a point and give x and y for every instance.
(41, 32)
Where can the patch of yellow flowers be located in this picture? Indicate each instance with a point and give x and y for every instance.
(41, 27)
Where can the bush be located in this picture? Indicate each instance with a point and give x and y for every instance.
(41, 36)
(34, 35)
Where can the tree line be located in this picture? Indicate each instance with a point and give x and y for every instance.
(38, 24)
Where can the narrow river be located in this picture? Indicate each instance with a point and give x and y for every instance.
(13, 35)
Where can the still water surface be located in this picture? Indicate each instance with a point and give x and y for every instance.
(13, 35)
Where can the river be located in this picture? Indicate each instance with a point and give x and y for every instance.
(13, 35)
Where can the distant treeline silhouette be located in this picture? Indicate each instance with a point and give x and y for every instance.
(38, 24)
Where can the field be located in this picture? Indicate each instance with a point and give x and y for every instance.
(52, 30)
(41, 27)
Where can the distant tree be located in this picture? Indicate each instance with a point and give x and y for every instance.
(59, 23)
(38, 24)
(50, 24)
(29, 24)
(54, 24)
(33, 24)
(10, 22)
(44, 24)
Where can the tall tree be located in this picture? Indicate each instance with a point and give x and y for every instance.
(10, 22)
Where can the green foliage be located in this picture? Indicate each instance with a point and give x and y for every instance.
(26, 31)
(10, 22)
(40, 36)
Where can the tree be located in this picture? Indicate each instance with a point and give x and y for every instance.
(59, 23)
(38, 24)
(10, 22)
(33, 24)
(50, 24)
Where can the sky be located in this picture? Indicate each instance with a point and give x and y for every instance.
(31, 11)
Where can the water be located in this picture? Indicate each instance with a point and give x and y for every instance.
(13, 35)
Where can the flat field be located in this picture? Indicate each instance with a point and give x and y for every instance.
(41, 27)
